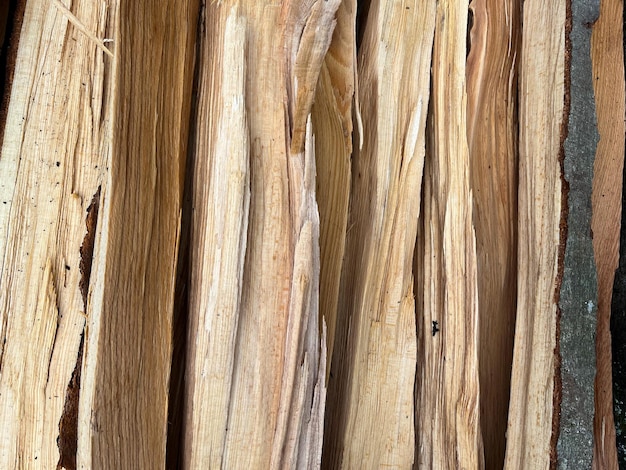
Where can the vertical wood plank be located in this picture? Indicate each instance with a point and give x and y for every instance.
(448, 392)
(124, 396)
(492, 140)
(541, 109)
(607, 55)
(55, 151)
(370, 414)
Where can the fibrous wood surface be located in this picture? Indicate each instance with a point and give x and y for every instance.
(308, 233)
(219, 238)
(254, 343)
(49, 176)
(492, 71)
(332, 115)
(607, 55)
(447, 404)
(370, 419)
(541, 102)
(124, 384)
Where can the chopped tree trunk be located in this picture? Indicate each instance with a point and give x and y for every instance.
(254, 347)
(128, 342)
(172, 297)
(492, 66)
(540, 199)
(447, 406)
(607, 55)
(370, 419)
(50, 175)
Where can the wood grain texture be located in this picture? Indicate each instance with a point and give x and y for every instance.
(332, 124)
(370, 411)
(447, 401)
(256, 348)
(424, 292)
(541, 101)
(124, 394)
(607, 55)
(49, 173)
(219, 233)
(492, 140)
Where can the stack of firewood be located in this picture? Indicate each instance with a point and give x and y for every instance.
(300, 233)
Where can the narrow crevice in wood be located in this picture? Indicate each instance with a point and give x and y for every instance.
(4, 16)
(618, 327)
(86, 249)
(470, 25)
(362, 12)
(8, 22)
(68, 424)
(11, 16)
(176, 404)
(421, 333)
(618, 343)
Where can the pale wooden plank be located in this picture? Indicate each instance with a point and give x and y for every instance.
(219, 234)
(269, 410)
(331, 115)
(54, 156)
(447, 402)
(370, 414)
(541, 101)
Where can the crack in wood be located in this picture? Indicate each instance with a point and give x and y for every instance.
(67, 441)
(86, 249)
(8, 53)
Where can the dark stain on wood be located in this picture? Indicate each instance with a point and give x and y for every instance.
(68, 425)
(86, 249)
